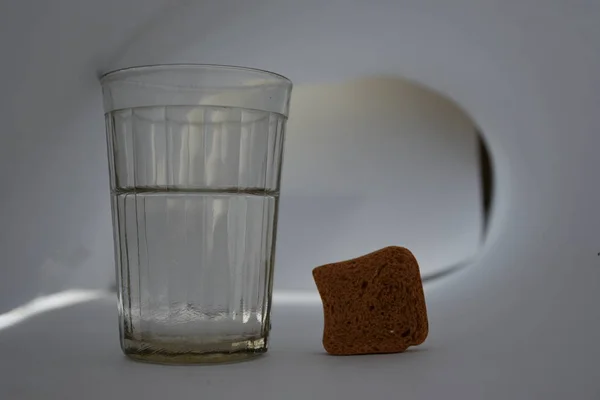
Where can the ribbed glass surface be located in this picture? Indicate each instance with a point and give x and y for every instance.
(195, 196)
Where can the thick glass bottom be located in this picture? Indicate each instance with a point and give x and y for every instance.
(163, 352)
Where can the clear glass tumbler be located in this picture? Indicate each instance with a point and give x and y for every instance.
(195, 154)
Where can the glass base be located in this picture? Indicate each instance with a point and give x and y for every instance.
(163, 352)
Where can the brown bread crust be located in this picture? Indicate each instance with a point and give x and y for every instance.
(373, 304)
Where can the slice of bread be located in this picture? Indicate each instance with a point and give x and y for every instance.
(373, 304)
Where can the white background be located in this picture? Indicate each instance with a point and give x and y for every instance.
(521, 322)
(376, 162)
(371, 161)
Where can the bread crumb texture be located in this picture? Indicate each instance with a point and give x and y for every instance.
(373, 304)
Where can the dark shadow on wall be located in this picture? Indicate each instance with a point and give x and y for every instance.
(487, 182)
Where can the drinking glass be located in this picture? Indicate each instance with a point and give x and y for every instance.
(195, 155)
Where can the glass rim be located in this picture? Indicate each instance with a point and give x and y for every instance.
(192, 66)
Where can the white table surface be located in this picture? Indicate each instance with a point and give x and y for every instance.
(73, 353)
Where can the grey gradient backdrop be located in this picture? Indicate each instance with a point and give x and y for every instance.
(520, 322)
